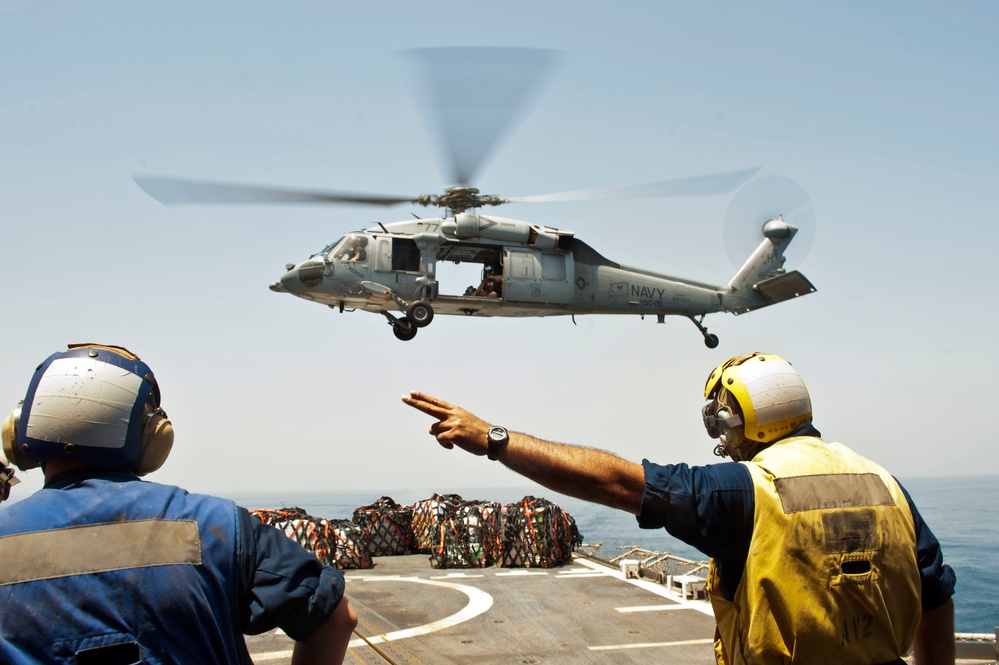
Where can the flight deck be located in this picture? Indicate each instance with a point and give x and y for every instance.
(584, 612)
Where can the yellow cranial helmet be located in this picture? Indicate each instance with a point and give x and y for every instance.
(772, 398)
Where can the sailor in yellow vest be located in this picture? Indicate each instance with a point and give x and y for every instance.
(818, 555)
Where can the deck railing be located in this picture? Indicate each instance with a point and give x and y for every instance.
(652, 564)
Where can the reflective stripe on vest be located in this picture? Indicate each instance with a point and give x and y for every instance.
(831, 575)
(98, 548)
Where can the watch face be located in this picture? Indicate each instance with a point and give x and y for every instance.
(498, 438)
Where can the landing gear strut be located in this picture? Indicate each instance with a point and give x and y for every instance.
(710, 340)
(418, 314)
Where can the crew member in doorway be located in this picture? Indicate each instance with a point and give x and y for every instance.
(491, 285)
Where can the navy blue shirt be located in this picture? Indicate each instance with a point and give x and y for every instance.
(712, 508)
(280, 583)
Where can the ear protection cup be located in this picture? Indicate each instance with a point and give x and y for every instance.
(157, 441)
(9, 434)
(729, 436)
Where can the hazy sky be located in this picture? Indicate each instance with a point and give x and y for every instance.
(885, 113)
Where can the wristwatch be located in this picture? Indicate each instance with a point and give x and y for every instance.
(498, 438)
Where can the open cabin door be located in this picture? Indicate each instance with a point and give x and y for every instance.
(537, 276)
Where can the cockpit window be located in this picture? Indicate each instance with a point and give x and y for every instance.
(328, 248)
(352, 247)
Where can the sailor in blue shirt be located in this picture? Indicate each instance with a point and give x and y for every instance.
(100, 566)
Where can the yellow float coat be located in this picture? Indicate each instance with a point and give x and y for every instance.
(831, 575)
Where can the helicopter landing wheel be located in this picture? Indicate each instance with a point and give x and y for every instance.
(403, 329)
(710, 341)
(420, 313)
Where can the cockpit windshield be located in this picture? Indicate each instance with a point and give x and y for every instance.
(326, 250)
(352, 247)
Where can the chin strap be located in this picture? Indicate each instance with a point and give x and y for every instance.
(7, 480)
(720, 450)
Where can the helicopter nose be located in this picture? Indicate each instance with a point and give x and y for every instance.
(299, 279)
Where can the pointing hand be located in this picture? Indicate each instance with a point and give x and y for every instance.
(455, 426)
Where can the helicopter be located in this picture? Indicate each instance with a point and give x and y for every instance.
(527, 269)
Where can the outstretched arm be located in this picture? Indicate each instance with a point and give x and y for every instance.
(585, 473)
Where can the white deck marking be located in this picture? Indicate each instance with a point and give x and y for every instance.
(450, 576)
(580, 572)
(478, 602)
(653, 608)
(521, 573)
(271, 655)
(650, 645)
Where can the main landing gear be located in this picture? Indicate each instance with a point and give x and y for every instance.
(710, 340)
(418, 315)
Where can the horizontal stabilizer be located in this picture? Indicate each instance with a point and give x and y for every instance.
(784, 287)
(778, 289)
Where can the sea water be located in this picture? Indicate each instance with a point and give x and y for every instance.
(960, 511)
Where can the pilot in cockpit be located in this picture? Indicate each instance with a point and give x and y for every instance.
(353, 248)
(359, 252)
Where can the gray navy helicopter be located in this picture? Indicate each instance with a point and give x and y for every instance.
(527, 269)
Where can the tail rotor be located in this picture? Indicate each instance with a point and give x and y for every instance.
(760, 201)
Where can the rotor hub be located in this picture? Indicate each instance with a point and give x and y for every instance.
(461, 198)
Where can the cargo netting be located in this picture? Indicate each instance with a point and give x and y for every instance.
(468, 535)
(428, 515)
(389, 526)
(532, 533)
(312, 533)
(278, 514)
(353, 544)
(339, 543)
(538, 534)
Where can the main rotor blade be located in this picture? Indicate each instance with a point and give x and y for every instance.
(705, 185)
(171, 191)
(473, 95)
